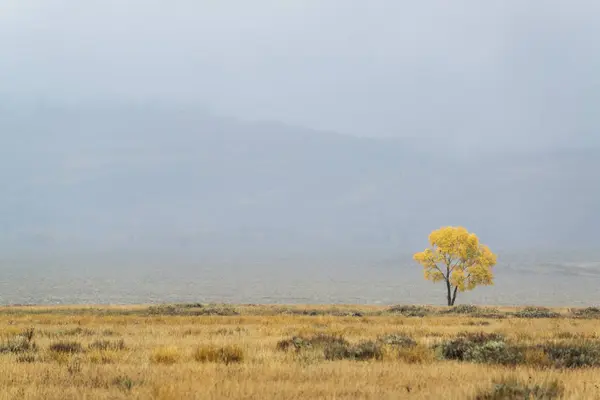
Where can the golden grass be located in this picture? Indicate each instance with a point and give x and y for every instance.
(182, 356)
(165, 355)
(219, 354)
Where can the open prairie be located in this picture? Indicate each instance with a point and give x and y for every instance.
(296, 352)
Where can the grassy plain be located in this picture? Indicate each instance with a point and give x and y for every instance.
(266, 352)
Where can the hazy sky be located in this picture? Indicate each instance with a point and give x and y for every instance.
(483, 72)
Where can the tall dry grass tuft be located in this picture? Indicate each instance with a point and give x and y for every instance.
(166, 355)
(215, 354)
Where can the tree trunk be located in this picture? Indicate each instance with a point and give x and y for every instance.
(454, 295)
(449, 287)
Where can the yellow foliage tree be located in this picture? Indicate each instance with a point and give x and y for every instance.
(457, 258)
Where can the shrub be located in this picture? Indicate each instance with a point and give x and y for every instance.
(513, 389)
(28, 334)
(337, 351)
(410, 311)
(165, 310)
(323, 339)
(165, 355)
(79, 331)
(362, 351)
(184, 309)
(490, 314)
(27, 358)
(295, 343)
(226, 355)
(481, 348)
(482, 337)
(230, 332)
(573, 355)
(23, 342)
(477, 323)
(102, 356)
(224, 311)
(123, 382)
(474, 311)
(74, 365)
(397, 340)
(590, 312)
(536, 312)
(107, 345)
(462, 309)
(66, 347)
(18, 344)
(190, 305)
(575, 335)
(320, 340)
(367, 351)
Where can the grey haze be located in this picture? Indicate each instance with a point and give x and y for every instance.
(137, 153)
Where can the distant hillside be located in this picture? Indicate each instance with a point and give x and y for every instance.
(142, 180)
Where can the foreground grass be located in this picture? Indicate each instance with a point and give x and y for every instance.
(323, 352)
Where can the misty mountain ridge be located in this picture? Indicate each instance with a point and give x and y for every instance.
(181, 182)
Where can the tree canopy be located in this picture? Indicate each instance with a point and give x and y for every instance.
(456, 257)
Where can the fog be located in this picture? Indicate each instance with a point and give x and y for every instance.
(294, 141)
(510, 74)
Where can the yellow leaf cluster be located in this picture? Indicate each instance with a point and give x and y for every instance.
(455, 255)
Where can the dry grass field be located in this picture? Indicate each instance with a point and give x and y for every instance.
(280, 352)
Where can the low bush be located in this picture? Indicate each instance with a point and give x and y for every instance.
(367, 351)
(362, 351)
(514, 389)
(224, 311)
(103, 356)
(226, 354)
(123, 382)
(184, 309)
(66, 347)
(20, 343)
(189, 305)
(27, 358)
(477, 323)
(589, 312)
(334, 312)
(577, 335)
(79, 331)
(475, 311)
(320, 340)
(573, 355)
(481, 348)
(482, 337)
(397, 340)
(230, 332)
(490, 314)
(410, 311)
(536, 312)
(462, 309)
(74, 365)
(116, 345)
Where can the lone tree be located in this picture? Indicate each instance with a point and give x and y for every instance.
(457, 258)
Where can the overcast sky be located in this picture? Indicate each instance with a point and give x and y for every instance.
(502, 73)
